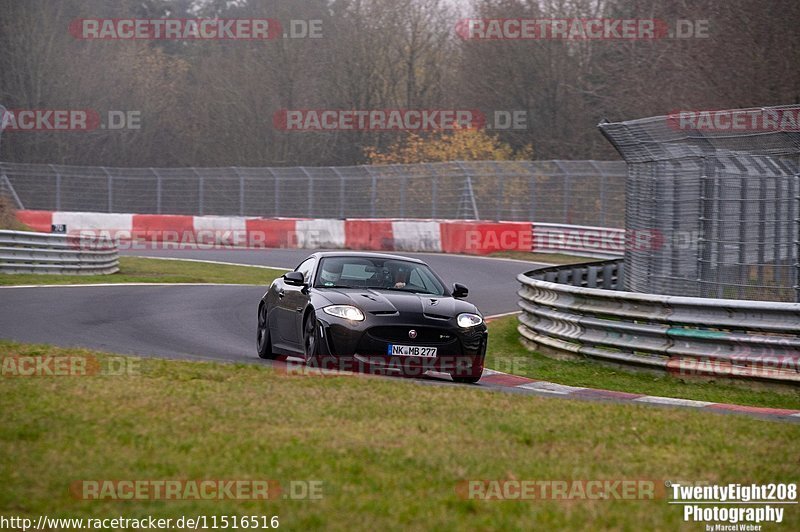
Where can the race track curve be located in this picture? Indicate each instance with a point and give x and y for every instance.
(214, 322)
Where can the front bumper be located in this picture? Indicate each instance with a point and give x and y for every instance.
(365, 345)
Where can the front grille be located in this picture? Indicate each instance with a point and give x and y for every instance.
(425, 335)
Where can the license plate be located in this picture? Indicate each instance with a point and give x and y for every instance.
(412, 351)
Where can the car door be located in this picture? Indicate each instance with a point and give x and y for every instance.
(292, 301)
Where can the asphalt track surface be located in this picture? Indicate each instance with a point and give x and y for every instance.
(212, 322)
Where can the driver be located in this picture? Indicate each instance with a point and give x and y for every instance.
(400, 278)
(331, 272)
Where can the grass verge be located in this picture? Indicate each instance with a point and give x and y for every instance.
(140, 270)
(389, 453)
(506, 353)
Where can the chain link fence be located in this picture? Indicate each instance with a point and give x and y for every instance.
(575, 192)
(723, 188)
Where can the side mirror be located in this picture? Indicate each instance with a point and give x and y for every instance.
(459, 290)
(294, 279)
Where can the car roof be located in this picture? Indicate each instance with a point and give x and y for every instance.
(366, 254)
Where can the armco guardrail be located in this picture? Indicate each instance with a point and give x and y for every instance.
(25, 252)
(576, 310)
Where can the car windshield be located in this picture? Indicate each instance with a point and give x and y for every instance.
(378, 273)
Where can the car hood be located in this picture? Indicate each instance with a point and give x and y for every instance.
(385, 302)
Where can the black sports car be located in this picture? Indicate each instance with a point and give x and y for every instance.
(356, 311)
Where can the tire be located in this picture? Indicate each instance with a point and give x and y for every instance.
(263, 338)
(311, 340)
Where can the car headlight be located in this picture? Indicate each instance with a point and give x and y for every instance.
(468, 319)
(347, 312)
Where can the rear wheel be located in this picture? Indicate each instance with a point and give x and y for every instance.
(263, 340)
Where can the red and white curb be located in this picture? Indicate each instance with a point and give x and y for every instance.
(504, 380)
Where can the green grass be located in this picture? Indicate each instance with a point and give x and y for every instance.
(506, 353)
(388, 452)
(139, 270)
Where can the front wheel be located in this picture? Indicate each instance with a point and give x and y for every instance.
(263, 339)
(311, 340)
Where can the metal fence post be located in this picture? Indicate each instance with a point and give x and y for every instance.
(500, 197)
(373, 192)
(565, 196)
(797, 234)
(533, 198)
(341, 190)
(310, 200)
(276, 194)
(602, 191)
(200, 192)
(434, 195)
(241, 190)
(110, 185)
(402, 192)
(158, 190)
(58, 187)
(5, 180)
(2, 121)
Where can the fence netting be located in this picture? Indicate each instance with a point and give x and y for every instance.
(722, 193)
(574, 192)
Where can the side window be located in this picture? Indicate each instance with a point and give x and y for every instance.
(415, 279)
(306, 267)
